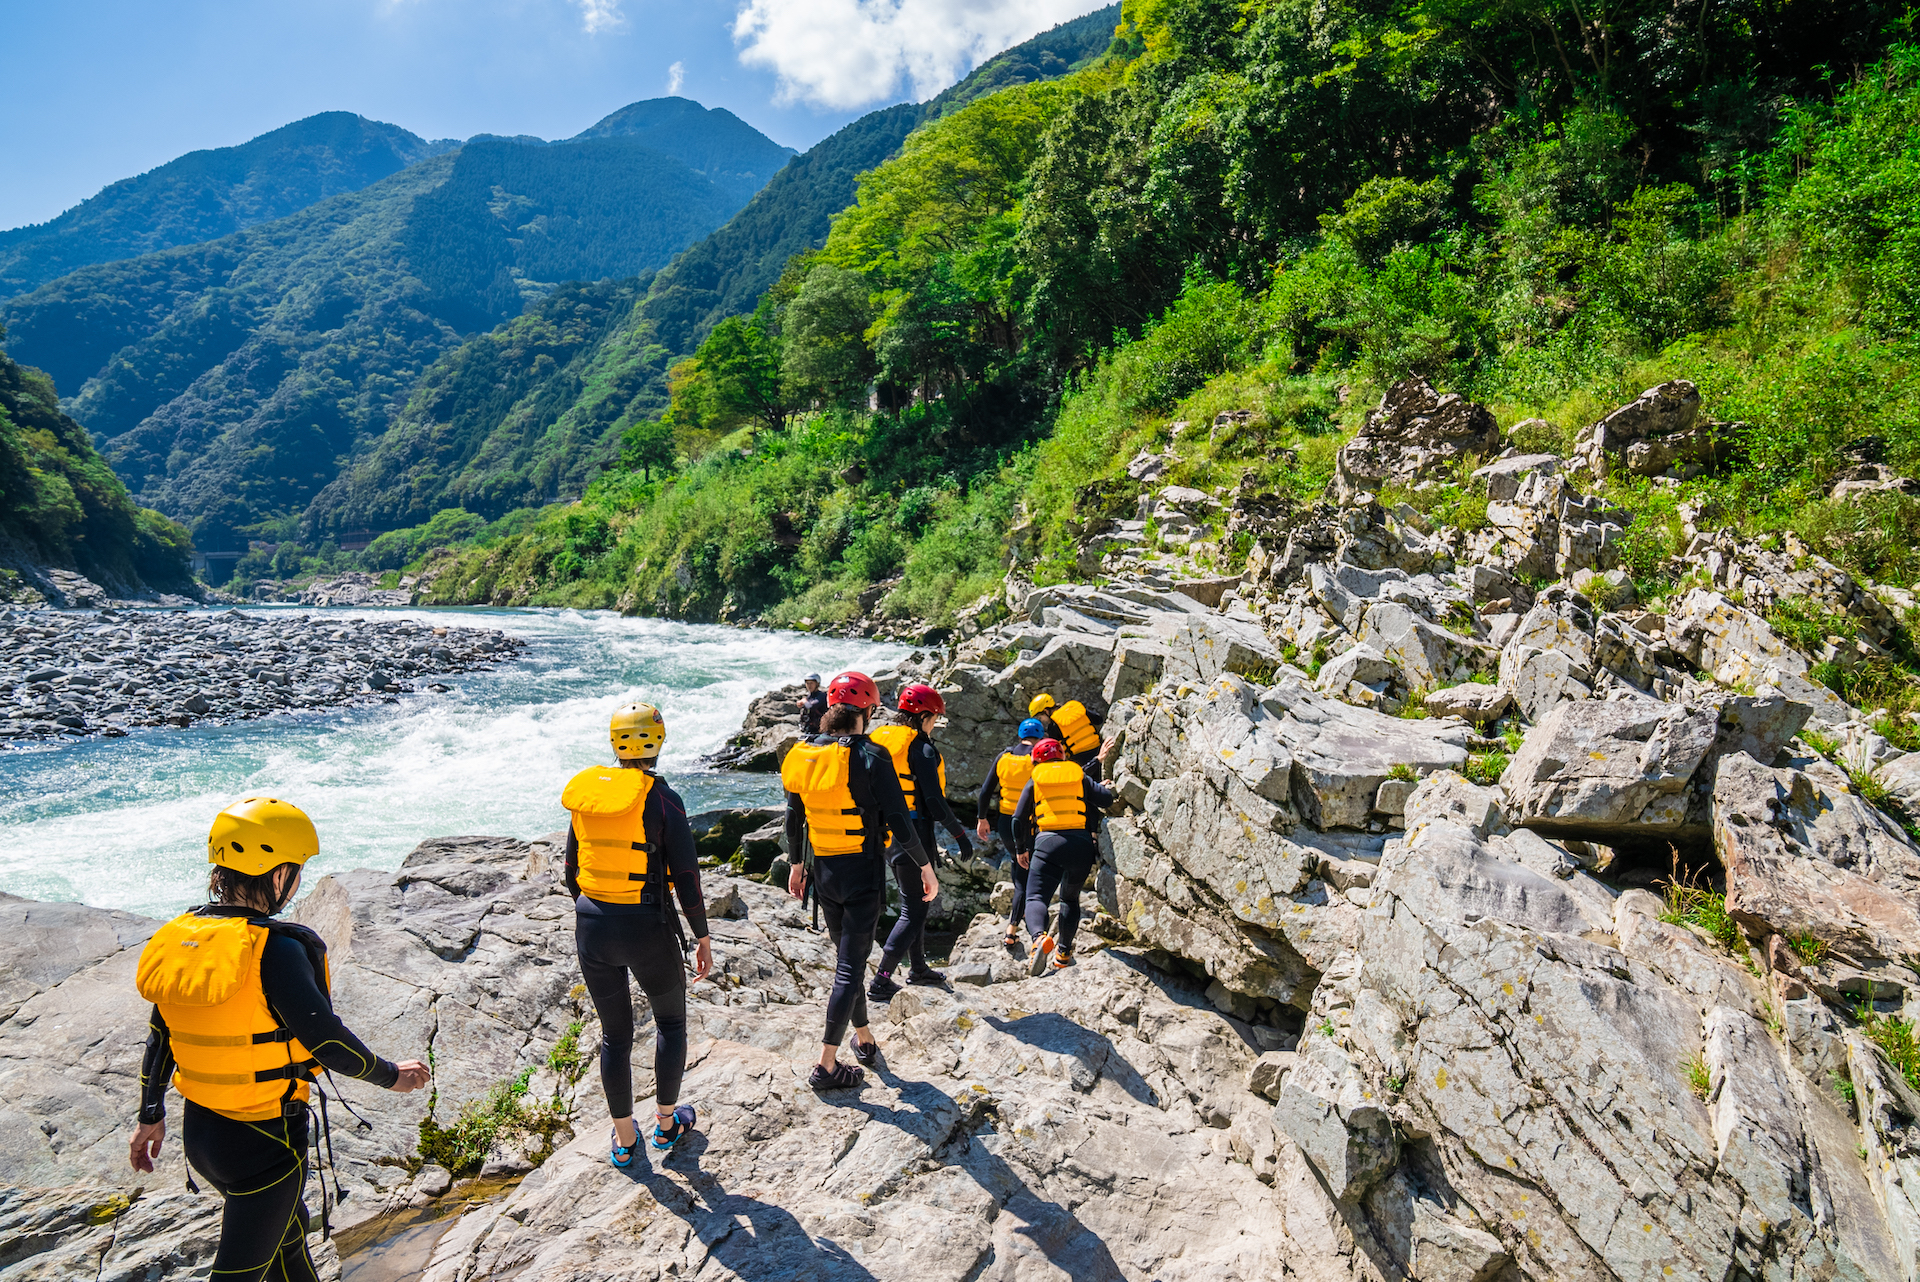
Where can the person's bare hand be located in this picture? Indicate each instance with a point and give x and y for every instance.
(983, 830)
(929, 882)
(702, 958)
(797, 880)
(1025, 859)
(145, 1147)
(413, 1075)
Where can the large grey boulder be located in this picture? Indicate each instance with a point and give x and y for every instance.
(1738, 649)
(1426, 652)
(1203, 647)
(1656, 433)
(1414, 433)
(1341, 754)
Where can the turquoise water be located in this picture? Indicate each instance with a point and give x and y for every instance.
(122, 823)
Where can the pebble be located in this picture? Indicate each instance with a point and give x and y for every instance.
(105, 672)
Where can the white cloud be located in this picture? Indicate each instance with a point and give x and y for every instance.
(846, 53)
(600, 15)
(676, 76)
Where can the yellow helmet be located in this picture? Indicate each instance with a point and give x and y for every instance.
(258, 834)
(637, 730)
(1039, 704)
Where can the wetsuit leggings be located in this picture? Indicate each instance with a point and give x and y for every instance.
(852, 890)
(1061, 861)
(909, 934)
(611, 948)
(1017, 911)
(260, 1169)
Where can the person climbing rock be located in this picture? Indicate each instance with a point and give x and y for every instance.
(999, 794)
(629, 853)
(813, 706)
(1073, 726)
(843, 799)
(1058, 814)
(242, 1020)
(923, 779)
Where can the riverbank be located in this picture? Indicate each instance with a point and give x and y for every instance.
(109, 671)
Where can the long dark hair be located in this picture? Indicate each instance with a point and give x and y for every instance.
(229, 886)
(841, 718)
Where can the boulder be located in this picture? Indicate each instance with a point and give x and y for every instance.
(1425, 652)
(1655, 434)
(1871, 478)
(1609, 770)
(1341, 755)
(1137, 665)
(1414, 433)
(1202, 648)
(1807, 859)
(1470, 700)
(1738, 649)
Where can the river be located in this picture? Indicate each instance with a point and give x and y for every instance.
(122, 823)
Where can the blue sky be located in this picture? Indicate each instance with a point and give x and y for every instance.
(103, 89)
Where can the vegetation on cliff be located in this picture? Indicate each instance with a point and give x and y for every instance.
(61, 505)
(1280, 208)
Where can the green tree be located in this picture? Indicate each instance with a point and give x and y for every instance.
(646, 446)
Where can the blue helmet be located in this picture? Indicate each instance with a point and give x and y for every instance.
(1032, 728)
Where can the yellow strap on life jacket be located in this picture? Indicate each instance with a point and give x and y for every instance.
(609, 806)
(230, 1054)
(819, 774)
(1059, 805)
(1013, 770)
(896, 740)
(1080, 734)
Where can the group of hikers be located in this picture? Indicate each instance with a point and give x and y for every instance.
(243, 1018)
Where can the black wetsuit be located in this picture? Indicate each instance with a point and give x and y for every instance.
(1062, 860)
(812, 708)
(617, 940)
(988, 803)
(852, 888)
(909, 934)
(260, 1168)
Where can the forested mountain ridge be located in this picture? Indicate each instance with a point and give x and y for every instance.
(227, 380)
(207, 194)
(1282, 209)
(711, 141)
(570, 414)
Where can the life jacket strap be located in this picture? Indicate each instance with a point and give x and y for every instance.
(301, 1071)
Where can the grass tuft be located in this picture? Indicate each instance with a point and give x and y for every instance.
(1699, 1080)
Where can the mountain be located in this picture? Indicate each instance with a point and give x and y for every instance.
(208, 194)
(506, 420)
(62, 506)
(713, 142)
(226, 381)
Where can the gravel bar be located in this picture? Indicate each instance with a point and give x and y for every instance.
(105, 672)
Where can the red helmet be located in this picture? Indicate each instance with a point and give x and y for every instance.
(856, 688)
(919, 698)
(1049, 750)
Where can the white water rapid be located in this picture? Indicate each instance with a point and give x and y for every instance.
(122, 823)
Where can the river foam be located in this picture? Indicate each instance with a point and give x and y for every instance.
(122, 823)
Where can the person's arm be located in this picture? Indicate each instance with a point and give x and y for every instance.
(1096, 797)
(883, 785)
(796, 833)
(156, 1070)
(925, 762)
(1023, 821)
(683, 860)
(570, 870)
(988, 801)
(287, 977)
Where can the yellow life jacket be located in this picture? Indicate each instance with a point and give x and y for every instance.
(229, 1052)
(609, 805)
(897, 740)
(1059, 805)
(1080, 734)
(818, 773)
(1013, 769)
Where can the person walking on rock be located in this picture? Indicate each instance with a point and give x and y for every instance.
(242, 1020)
(629, 853)
(999, 794)
(923, 780)
(813, 706)
(843, 799)
(1058, 812)
(1073, 726)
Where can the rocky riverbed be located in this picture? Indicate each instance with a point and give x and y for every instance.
(108, 671)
